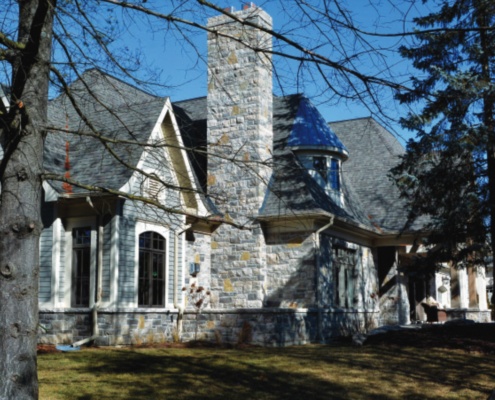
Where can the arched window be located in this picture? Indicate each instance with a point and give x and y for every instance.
(151, 291)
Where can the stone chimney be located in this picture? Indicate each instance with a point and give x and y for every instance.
(239, 149)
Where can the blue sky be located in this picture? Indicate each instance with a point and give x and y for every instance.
(179, 57)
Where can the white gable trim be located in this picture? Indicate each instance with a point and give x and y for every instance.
(157, 136)
(50, 193)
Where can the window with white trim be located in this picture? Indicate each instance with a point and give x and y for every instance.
(80, 262)
(152, 257)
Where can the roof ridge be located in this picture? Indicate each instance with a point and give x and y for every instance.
(91, 72)
(187, 100)
(386, 135)
(350, 119)
(124, 82)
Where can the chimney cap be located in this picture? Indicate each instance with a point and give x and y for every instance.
(245, 6)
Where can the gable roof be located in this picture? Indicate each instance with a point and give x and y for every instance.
(117, 111)
(191, 118)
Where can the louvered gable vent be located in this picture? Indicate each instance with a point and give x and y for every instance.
(153, 188)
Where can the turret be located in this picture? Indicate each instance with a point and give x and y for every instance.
(319, 149)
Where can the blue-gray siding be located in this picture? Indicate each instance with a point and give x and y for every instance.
(107, 245)
(46, 244)
(126, 290)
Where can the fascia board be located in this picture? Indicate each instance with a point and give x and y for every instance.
(50, 193)
(202, 210)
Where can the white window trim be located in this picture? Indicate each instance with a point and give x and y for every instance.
(57, 230)
(351, 247)
(184, 269)
(71, 224)
(114, 261)
(141, 227)
(463, 288)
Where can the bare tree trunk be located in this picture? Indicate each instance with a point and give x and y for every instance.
(21, 195)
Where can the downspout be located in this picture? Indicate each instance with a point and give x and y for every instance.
(319, 327)
(178, 306)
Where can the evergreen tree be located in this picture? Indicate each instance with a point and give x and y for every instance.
(448, 172)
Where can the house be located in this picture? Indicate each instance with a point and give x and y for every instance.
(290, 223)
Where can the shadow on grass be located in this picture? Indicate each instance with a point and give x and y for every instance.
(308, 372)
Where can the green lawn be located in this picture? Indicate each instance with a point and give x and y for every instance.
(305, 372)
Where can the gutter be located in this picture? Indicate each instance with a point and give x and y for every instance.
(178, 306)
(319, 327)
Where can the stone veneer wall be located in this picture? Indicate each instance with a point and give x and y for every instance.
(290, 277)
(199, 251)
(239, 117)
(288, 315)
(267, 327)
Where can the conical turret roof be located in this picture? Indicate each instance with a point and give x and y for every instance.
(311, 132)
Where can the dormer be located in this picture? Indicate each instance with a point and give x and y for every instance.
(318, 149)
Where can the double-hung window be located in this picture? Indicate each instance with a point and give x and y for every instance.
(344, 275)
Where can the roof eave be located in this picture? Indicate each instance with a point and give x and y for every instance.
(311, 221)
(343, 153)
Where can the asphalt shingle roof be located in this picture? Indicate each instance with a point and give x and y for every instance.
(116, 110)
(373, 152)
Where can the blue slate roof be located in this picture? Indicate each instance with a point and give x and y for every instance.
(311, 132)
